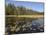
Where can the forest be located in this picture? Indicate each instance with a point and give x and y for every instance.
(11, 9)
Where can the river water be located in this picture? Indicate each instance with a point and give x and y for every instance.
(33, 26)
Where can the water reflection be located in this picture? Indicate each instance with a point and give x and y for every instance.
(38, 25)
(33, 26)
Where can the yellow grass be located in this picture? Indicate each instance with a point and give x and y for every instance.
(26, 16)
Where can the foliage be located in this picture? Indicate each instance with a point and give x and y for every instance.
(11, 9)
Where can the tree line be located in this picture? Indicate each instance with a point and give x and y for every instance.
(11, 9)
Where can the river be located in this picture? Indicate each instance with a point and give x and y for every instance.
(33, 26)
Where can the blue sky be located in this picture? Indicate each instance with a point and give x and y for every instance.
(37, 6)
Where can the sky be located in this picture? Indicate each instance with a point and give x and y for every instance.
(37, 6)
